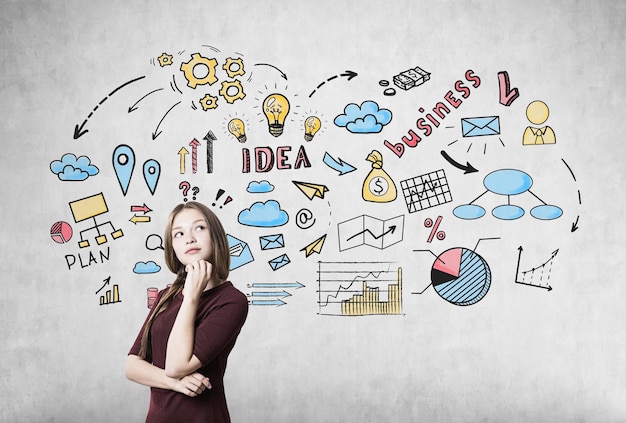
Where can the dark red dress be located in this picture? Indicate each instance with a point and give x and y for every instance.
(221, 313)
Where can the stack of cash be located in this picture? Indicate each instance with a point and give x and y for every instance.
(411, 78)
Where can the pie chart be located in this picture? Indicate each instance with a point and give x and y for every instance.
(460, 276)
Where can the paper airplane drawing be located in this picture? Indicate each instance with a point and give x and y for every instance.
(315, 246)
(311, 190)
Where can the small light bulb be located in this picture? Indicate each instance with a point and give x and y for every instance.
(237, 128)
(312, 124)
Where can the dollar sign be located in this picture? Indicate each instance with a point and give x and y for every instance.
(379, 188)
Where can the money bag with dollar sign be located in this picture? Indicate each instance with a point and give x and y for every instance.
(378, 186)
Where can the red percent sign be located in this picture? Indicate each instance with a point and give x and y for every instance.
(428, 223)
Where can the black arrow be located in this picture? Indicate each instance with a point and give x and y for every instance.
(575, 224)
(391, 230)
(349, 74)
(272, 66)
(106, 282)
(78, 130)
(155, 133)
(134, 106)
(468, 168)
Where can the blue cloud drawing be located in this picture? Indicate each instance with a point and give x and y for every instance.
(70, 168)
(364, 119)
(259, 187)
(264, 215)
(145, 268)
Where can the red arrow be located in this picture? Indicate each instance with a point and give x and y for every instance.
(194, 143)
(507, 95)
(145, 209)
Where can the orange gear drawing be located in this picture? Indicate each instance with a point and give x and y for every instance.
(165, 59)
(188, 70)
(208, 102)
(226, 85)
(228, 67)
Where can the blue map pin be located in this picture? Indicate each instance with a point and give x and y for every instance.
(124, 164)
(151, 173)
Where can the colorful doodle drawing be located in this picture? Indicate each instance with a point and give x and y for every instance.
(426, 191)
(263, 215)
(411, 78)
(276, 108)
(368, 230)
(279, 262)
(260, 187)
(508, 182)
(367, 118)
(240, 253)
(537, 113)
(270, 242)
(89, 208)
(538, 277)
(71, 168)
(460, 276)
(338, 164)
(315, 246)
(311, 190)
(378, 186)
(144, 268)
(359, 288)
(271, 293)
(61, 232)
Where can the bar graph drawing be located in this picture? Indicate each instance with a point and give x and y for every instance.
(359, 288)
(111, 296)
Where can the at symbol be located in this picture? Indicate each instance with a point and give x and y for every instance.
(303, 218)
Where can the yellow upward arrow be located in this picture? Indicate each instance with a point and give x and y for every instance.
(182, 153)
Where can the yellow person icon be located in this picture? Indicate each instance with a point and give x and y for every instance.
(537, 113)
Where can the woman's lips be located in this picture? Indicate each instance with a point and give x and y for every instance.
(192, 251)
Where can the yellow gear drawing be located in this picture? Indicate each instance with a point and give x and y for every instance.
(238, 68)
(226, 85)
(188, 68)
(208, 102)
(165, 59)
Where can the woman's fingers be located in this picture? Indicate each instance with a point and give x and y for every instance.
(195, 384)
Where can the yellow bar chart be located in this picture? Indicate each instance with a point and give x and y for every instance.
(369, 302)
(359, 288)
(111, 296)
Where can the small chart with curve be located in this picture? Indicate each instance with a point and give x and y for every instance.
(426, 191)
(359, 288)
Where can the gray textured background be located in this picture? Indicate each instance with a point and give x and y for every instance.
(521, 354)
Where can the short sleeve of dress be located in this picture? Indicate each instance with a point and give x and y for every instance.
(221, 325)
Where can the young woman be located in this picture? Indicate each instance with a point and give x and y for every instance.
(182, 348)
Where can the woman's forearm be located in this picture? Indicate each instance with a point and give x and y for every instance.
(179, 360)
(144, 373)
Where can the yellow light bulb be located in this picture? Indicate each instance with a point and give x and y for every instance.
(237, 128)
(312, 124)
(276, 108)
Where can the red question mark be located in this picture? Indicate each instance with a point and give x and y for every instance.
(184, 185)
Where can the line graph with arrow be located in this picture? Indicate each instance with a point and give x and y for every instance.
(368, 230)
(537, 277)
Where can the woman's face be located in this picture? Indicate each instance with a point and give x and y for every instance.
(191, 238)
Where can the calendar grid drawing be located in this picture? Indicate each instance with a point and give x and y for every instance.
(426, 191)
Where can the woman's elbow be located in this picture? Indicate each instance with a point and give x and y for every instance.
(130, 370)
(174, 373)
